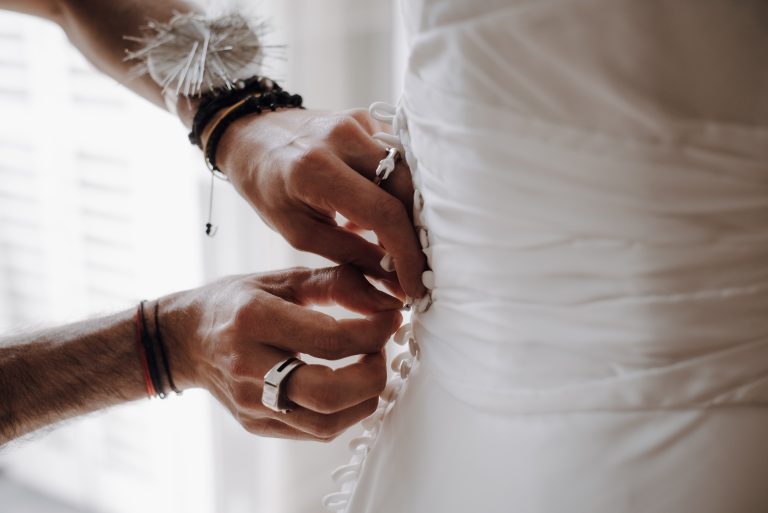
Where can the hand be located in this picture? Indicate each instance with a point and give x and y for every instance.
(226, 336)
(299, 168)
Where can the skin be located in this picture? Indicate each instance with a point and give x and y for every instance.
(297, 168)
(223, 337)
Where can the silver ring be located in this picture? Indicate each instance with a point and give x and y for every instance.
(272, 395)
(386, 166)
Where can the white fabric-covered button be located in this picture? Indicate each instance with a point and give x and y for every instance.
(413, 347)
(397, 360)
(335, 500)
(418, 200)
(374, 419)
(392, 388)
(405, 368)
(428, 279)
(360, 444)
(346, 473)
(423, 238)
(428, 253)
(417, 221)
(402, 334)
(423, 304)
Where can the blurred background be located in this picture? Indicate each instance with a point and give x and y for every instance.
(103, 203)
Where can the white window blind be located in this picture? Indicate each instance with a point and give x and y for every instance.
(102, 203)
(99, 207)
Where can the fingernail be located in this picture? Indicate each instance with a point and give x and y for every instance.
(387, 264)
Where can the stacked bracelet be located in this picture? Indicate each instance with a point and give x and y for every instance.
(252, 104)
(220, 98)
(219, 108)
(151, 349)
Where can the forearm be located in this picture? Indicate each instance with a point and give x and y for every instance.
(63, 372)
(97, 28)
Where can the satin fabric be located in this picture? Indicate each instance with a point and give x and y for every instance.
(595, 184)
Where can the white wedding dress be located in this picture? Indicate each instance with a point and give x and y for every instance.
(592, 184)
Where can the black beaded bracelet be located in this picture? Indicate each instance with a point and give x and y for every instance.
(217, 99)
(254, 104)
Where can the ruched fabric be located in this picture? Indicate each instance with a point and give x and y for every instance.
(594, 182)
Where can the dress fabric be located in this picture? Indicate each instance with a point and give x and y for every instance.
(594, 176)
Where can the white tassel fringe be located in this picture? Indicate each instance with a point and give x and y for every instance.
(192, 53)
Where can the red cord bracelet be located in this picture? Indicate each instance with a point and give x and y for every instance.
(143, 355)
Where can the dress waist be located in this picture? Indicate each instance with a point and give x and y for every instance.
(581, 270)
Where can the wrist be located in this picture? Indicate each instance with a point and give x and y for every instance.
(185, 108)
(175, 316)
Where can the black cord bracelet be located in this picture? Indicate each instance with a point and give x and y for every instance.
(154, 371)
(163, 352)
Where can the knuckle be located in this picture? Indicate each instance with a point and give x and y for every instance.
(347, 273)
(244, 396)
(327, 427)
(390, 210)
(291, 282)
(253, 426)
(343, 128)
(310, 159)
(330, 341)
(236, 367)
(341, 278)
(296, 276)
(296, 238)
(303, 168)
(242, 316)
(326, 398)
(360, 115)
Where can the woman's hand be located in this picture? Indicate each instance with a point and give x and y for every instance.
(226, 336)
(298, 168)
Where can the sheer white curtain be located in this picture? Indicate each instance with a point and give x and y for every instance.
(102, 202)
(339, 54)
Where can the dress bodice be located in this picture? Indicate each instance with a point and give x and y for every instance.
(592, 199)
(595, 181)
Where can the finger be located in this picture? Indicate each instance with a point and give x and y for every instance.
(365, 159)
(366, 121)
(273, 428)
(393, 286)
(253, 421)
(352, 227)
(324, 390)
(344, 247)
(326, 425)
(299, 329)
(343, 285)
(368, 206)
